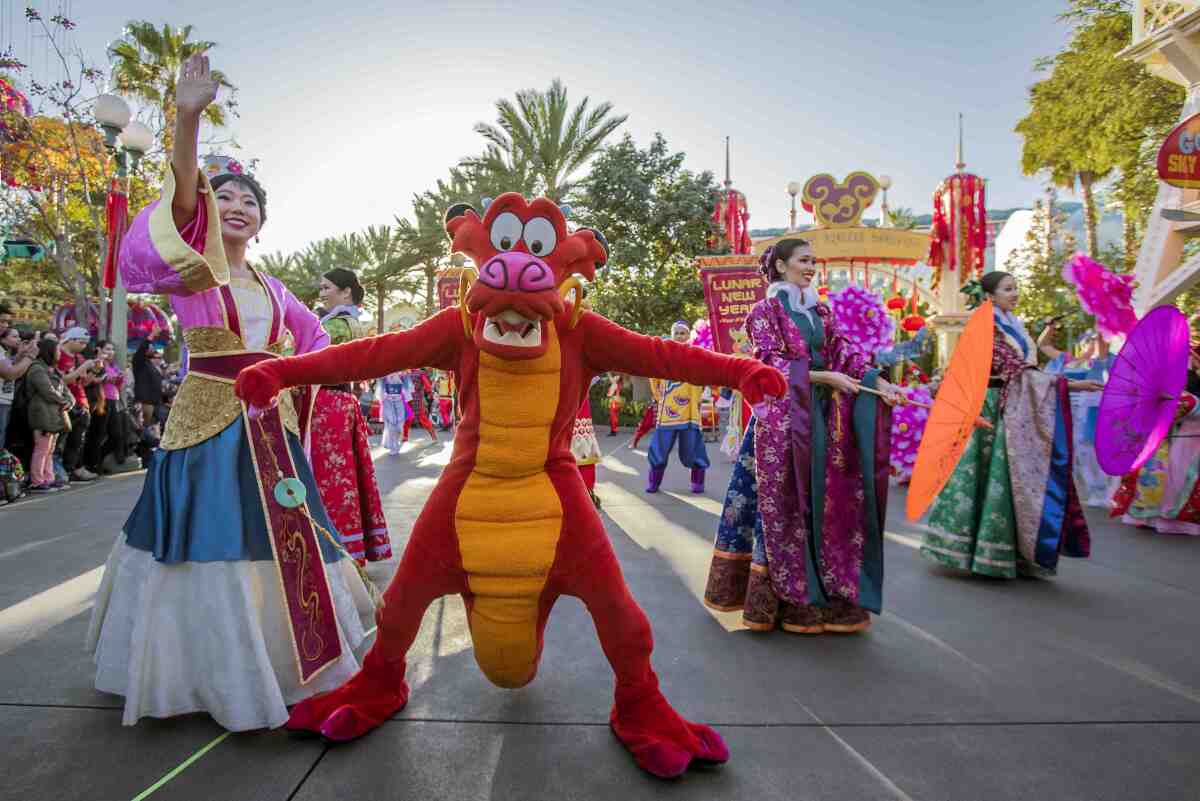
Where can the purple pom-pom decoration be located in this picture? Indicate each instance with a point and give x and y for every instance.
(908, 424)
(862, 319)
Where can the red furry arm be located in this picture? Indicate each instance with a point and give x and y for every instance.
(608, 346)
(436, 342)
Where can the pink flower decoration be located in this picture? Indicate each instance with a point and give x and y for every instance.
(861, 318)
(702, 335)
(908, 424)
(1105, 295)
(235, 167)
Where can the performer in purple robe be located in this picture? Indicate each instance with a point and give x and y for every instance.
(800, 543)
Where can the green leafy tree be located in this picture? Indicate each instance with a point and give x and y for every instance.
(1096, 115)
(58, 171)
(540, 135)
(655, 215)
(301, 271)
(383, 264)
(145, 65)
(425, 243)
(903, 218)
(1037, 266)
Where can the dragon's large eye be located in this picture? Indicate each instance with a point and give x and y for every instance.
(506, 231)
(540, 236)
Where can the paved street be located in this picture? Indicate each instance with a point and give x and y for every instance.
(1086, 686)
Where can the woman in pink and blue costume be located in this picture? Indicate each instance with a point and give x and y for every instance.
(220, 594)
(800, 542)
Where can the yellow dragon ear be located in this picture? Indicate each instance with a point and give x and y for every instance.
(465, 280)
(565, 288)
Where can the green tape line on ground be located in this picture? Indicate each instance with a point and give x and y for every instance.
(180, 768)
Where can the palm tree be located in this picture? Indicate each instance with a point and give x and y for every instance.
(902, 218)
(541, 134)
(384, 265)
(145, 65)
(424, 242)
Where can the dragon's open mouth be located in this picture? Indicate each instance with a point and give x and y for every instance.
(513, 329)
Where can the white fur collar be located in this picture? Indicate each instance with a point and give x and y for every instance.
(798, 299)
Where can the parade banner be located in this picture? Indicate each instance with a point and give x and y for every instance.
(1179, 156)
(864, 243)
(447, 289)
(732, 285)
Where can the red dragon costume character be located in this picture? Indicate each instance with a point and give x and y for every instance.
(509, 525)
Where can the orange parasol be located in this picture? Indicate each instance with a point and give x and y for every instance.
(955, 412)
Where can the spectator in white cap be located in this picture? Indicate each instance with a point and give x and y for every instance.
(77, 373)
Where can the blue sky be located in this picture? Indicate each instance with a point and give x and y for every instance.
(354, 106)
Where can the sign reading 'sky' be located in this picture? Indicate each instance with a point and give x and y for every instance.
(1179, 156)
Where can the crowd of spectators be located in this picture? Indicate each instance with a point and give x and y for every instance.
(69, 414)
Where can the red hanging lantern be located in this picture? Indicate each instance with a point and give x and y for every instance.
(117, 221)
(897, 303)
(959, 234)
(913, 323)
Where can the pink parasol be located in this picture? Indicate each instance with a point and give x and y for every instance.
(1143, 391)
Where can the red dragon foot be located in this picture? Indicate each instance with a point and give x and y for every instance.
(662, 742)
(373, 695)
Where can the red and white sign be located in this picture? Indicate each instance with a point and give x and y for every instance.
(1179, 156)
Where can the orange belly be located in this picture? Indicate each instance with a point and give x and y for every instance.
(508, 516)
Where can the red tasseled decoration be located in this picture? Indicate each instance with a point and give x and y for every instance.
(116, 215)
(969, 214)
(731, 216)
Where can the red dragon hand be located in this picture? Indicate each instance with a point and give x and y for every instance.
(259, 384)
(761, 382)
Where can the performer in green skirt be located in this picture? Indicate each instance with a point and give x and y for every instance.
(1010, 506)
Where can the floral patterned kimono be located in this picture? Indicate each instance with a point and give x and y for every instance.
(341, 456)
(1090, 480)
(1010, 506)
(803, 518)
(1164, 494)
(221, 593)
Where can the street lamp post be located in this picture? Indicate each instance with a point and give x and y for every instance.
(885, 219)
(127, 140)
(793, 189)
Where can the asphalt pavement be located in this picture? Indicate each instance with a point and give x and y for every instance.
(1085, 686)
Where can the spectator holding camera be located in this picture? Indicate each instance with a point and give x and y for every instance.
(16, 355)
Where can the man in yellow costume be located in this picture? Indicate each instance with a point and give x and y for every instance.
(678, 421)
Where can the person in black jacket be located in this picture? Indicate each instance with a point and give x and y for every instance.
(148, 380)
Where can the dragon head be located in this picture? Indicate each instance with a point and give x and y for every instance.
(525, 256)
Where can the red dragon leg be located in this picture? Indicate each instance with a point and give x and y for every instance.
(661, 741)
